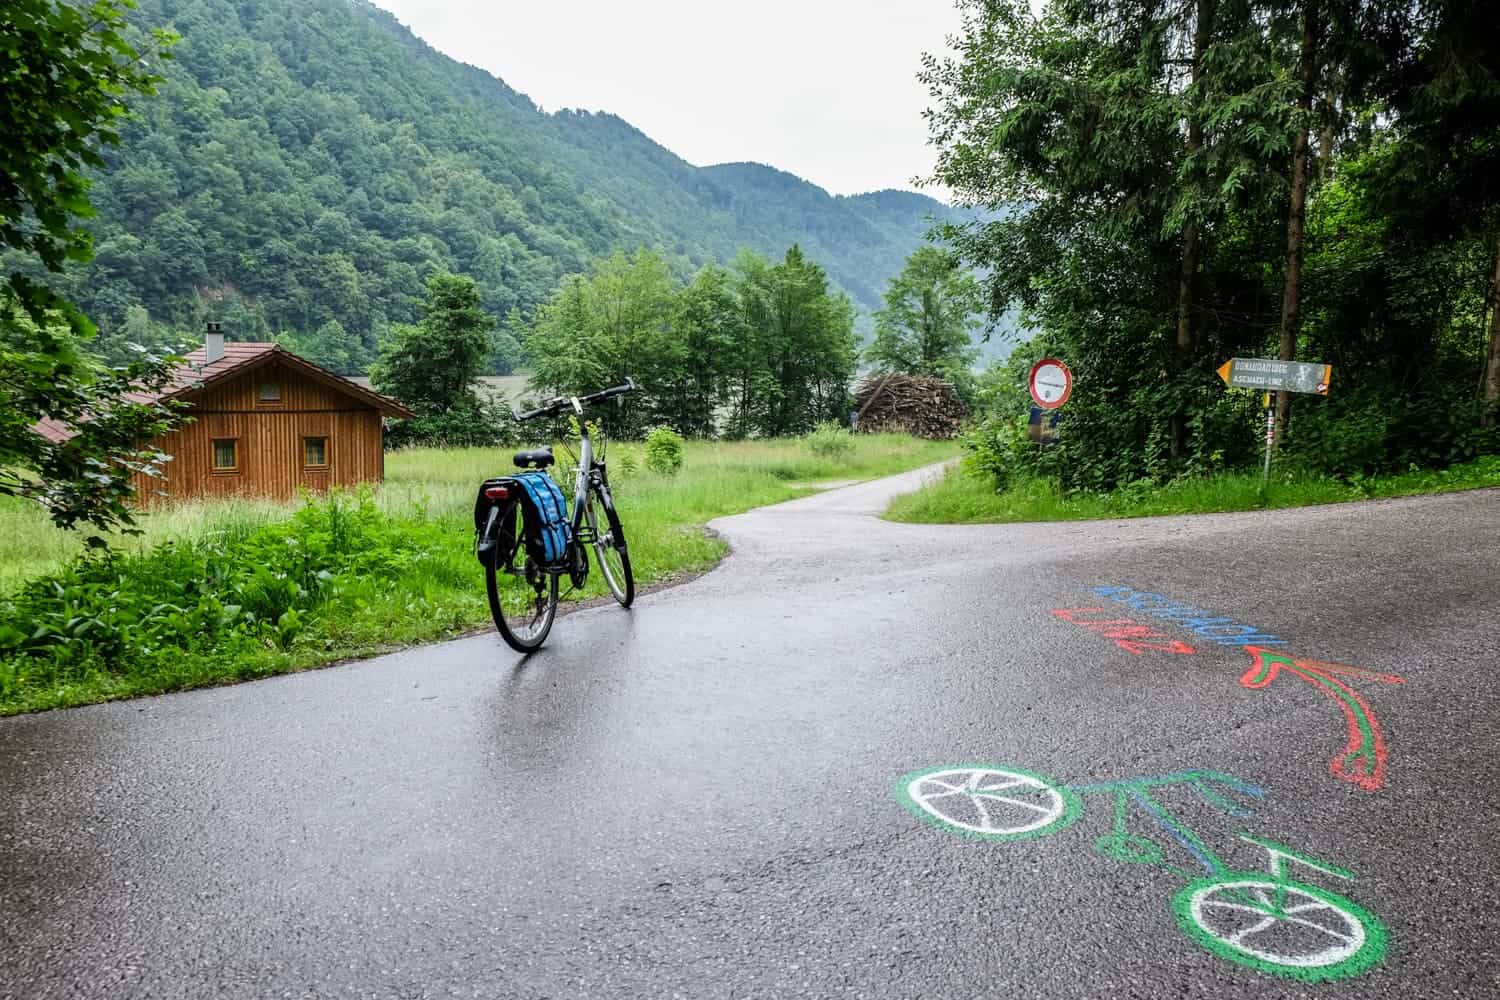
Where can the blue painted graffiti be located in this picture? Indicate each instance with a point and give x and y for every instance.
(1216, 629)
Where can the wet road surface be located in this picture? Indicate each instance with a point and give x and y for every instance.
(716, 793)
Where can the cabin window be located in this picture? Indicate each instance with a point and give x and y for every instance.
(315, 452)
(270, 392)
(226, 455)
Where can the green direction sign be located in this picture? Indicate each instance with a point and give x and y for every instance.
(1276, 376)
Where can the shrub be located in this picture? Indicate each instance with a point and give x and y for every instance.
(470, 423)
(664, 451)
(830, 440)
(123, 615)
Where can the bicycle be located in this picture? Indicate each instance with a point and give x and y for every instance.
(1272, 924)
(521, 583)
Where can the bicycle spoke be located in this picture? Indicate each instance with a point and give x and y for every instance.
(1220, 904)
(1244, 932)
(984, 814)
(1015, 802)
(1269, 919)
(1346, 938)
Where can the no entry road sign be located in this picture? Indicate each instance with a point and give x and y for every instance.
(1051, 383)
(1277, 376)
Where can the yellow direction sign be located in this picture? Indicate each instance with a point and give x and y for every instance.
(1276, 376)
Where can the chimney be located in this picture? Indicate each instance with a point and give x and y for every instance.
(213, 342)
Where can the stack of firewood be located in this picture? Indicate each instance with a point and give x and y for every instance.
(916, 404)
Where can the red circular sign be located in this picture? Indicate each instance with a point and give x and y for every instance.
(1051, 383)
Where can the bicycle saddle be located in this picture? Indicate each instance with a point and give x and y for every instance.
(538, 458)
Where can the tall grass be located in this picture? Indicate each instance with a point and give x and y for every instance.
(963, 498)
(406, 574)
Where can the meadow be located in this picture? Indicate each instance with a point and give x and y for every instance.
(213, 592)
(964, 497)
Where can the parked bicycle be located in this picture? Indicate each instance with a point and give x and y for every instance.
(526, 541)
(1266, 921)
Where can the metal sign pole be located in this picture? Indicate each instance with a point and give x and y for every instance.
(1270, 436)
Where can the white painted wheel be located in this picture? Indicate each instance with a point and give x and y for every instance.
(1283, 927)
(992, 803)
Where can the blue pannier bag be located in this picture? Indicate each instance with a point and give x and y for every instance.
(547, 527)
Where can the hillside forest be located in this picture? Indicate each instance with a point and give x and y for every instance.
(305, 165)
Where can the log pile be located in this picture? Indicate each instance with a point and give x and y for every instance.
(915, 404)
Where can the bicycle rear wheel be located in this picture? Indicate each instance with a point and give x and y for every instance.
(609, 547)
(523, 594)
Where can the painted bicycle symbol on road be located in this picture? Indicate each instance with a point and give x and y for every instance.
(1264, 920)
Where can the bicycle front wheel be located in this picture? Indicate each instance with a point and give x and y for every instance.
(1284, 928)
(523, 594)
(609, 547)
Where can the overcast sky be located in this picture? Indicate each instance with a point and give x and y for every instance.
(825, 89)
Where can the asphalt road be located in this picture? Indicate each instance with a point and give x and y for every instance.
(702, 797)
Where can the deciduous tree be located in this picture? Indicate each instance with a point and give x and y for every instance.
(932, 310)
(431, 367)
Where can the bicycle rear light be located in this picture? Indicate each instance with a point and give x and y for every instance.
(497, 492)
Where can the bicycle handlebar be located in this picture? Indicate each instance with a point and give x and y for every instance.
(561, 403)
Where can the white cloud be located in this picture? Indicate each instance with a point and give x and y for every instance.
(825, 89)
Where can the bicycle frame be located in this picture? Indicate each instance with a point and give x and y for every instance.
(1138, 790)
(590, 476)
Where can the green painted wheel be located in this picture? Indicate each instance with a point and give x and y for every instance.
(988, 801)
(1283, 928)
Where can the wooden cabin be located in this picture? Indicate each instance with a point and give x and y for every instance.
(264, 422)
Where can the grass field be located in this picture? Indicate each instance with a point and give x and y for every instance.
(408, 576)
(962, 498)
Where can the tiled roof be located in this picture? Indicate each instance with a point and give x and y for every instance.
(196, 373)
(236, 355)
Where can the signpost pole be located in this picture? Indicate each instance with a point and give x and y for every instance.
(1265, 479)
(1275, 376)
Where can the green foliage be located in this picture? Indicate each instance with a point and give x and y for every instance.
(770, 344)
(45, 374)
(664, 448)
(221, 597)
(431, 367)
(603, 327)
(931, 312)
(1137, 157)
(830, 440)
(792, 367)
(471, 422)
(66, 72)
(66, 75)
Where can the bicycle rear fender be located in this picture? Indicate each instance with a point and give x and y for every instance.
(487, 530)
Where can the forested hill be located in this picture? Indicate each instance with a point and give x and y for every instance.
(307, 163)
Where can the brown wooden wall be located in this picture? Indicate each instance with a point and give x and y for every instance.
(270, 441)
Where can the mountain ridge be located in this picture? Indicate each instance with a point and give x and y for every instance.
(306, 163)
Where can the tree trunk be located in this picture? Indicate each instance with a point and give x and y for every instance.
(1291, 296)
(1325, 139)
(1328, 111)
(1492, 371)
(1191, 244)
